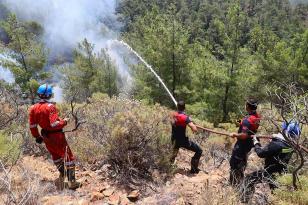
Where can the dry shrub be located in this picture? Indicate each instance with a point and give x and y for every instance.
(224, 195)
(20, 186)
(14, 121)
(133, 138)
(217, 149)
(9, 149)
(139, 142)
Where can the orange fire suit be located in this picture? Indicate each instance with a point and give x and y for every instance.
(45, 115)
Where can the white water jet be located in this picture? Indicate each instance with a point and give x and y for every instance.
(149, 67)
(58, 94)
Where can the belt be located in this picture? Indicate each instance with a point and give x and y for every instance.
(46, 132)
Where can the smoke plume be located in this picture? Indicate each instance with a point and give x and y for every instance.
(68, 22)
(6, 75)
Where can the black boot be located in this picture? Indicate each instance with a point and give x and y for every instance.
(194, 166)
(72, 183)
(60, 181)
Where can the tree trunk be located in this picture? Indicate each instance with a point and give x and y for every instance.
(109, 79)
(224, 104)
(173, 60)
(231, 73)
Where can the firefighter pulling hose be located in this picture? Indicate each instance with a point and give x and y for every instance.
(179, 138)
(258, 136)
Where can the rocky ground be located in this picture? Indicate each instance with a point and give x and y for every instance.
(210, 186)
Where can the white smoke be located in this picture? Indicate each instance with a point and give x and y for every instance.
(6, 75)
(68, 22)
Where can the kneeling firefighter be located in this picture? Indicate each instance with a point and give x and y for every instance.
(277, 155)
(179, 139)
(45, 115)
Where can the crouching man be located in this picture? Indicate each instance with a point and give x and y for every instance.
(277, 155)
(45, 115)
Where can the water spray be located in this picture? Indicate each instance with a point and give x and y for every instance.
(149, 67)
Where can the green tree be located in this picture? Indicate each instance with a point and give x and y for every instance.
(235, 19)
(27, 53)
(230, 49)
(90, 72)
(163, 42)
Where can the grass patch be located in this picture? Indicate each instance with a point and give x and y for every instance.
(285, 195)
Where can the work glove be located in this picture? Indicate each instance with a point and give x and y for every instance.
(66, 120)
(255, 140)
(39, 140)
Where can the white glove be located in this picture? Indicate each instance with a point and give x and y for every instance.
(255, 140)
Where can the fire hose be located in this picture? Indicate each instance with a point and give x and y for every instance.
(259, 136)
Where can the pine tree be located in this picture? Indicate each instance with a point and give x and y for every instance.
(28, 53)
(90, 72)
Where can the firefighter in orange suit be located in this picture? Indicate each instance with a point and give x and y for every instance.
(45, 115)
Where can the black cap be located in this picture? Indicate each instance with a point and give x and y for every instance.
(252, 103)
(181, 105)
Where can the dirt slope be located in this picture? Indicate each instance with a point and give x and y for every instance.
(210, 186)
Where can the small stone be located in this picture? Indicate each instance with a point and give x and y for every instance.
(95, 196)
(178, 176)
(134, 195)
(83, 202)
(108, 192)
(155, 173)
(124, 200)
(180, 201)
(114, 199)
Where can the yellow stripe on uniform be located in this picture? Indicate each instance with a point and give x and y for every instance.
(287, 150)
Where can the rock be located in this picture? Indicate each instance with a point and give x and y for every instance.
(134, 195)
(114, 199)
(84, 180)
(83, 202)
(99, 203)
(108, 192)
(178, 176)
(124, 200)
(85, 173)
(155, 174)
(180, 201)
(95, 196)
(106, 167)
